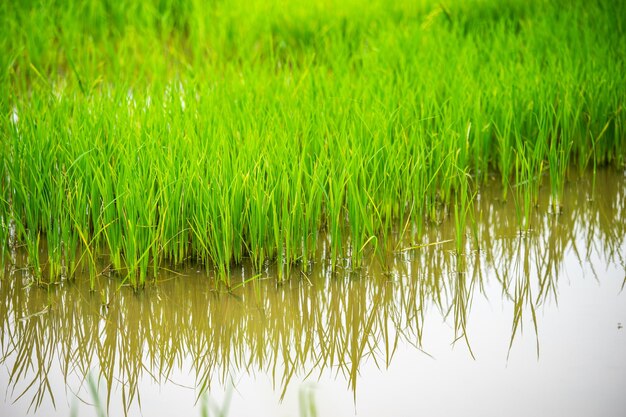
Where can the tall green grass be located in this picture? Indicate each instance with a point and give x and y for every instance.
(161, 132)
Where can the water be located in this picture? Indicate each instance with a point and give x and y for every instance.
(522, 323)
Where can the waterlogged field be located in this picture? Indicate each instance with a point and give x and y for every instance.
(530, 323)
(251, 201)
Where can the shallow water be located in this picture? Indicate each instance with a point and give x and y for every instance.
(523, 323)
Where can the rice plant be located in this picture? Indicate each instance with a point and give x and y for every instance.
(159, 133)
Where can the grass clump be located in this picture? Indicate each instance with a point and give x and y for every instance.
(159, 132)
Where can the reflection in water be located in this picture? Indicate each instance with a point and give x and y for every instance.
(324, 323)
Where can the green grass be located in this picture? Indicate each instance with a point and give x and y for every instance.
(160, 132)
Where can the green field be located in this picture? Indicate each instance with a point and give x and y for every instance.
(157, 133)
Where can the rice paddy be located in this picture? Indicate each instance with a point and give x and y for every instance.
(162, 133)
(278, 207)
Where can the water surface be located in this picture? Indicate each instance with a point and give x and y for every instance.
(523, 322)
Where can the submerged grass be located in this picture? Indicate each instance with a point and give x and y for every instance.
(161, 132)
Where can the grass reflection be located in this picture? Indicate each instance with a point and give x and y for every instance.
(329, 321)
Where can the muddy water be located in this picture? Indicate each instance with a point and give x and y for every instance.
(522, 323)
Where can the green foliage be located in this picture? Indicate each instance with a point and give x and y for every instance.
(164, 131)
